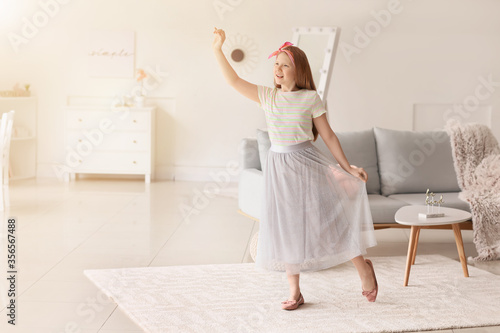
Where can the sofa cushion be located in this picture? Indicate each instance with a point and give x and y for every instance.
(264, 144)
(249, 154)
(251, 192)
(383, 208)
(451, 199)
(360, 150)
(412, 162)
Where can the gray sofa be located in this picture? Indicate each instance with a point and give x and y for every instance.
(401, 166)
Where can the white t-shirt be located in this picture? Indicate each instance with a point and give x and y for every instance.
(289, 114)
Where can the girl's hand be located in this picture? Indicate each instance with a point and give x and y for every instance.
(359, 172)
(219, 38)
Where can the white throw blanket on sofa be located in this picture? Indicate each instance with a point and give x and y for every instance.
(476, 156)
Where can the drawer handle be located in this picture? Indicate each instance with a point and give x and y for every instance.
(134, 121)
(135, 141)
(134, 162)
(80, 120)
(79, 140)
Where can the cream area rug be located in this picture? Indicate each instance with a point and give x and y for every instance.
(239, 298)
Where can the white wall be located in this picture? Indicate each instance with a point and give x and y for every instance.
(430, 52)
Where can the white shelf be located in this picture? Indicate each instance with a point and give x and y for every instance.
(17, 98)
(23, 159)
(26, 138)
(19, 177)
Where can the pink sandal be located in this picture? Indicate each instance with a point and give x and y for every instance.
(292, 305)
(371, 296)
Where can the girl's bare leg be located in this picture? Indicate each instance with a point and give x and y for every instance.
(293, 281)
(365, 273)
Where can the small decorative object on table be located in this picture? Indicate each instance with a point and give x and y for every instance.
(430, 202)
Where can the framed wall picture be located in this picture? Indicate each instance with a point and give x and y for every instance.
(111, 54)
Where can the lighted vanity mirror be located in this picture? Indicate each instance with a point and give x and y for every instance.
(320, 46)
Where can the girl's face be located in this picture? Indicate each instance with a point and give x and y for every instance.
(284, 72)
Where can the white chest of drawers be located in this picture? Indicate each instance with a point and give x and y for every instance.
(102, 140)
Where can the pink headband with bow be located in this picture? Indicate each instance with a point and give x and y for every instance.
(281, 49)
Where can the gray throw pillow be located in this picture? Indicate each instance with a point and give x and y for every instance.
(412, 162)
(264, 144)
(360, 150)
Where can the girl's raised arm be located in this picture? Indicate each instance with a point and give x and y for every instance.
(245, 88)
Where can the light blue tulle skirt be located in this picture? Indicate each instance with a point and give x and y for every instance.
(315, 215)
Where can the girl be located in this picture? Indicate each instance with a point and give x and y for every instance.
(315, 213)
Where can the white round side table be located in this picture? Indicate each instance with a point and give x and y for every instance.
(409, 215)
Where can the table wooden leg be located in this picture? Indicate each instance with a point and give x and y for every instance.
(416, 246)
(411, 248)
(460, 248)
